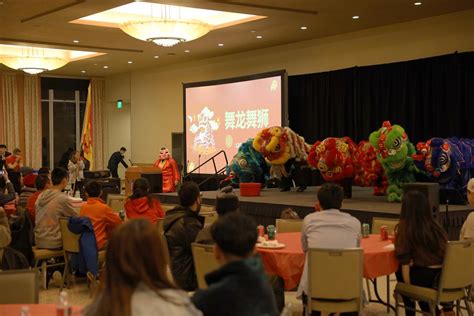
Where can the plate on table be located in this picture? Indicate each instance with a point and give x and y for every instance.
(271, 245)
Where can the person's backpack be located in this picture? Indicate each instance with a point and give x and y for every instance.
(12, 260)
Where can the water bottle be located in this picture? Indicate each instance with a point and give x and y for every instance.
(63, 308)
(25, 311)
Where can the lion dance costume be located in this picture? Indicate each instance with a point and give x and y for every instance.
(448, 162)
(286, 152)
(394, 151)
(169, 170)
(248, 165)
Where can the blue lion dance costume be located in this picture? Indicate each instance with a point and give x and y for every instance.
(248, 165)
(450, 162)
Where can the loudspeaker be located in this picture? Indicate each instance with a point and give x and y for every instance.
(108, 185)
(177, 147)
(156, 181)
(99, 174)
(430, 190)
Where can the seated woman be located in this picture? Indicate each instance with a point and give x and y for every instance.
(136, 279)
(141, 204)
(420, 246)
(467, 230)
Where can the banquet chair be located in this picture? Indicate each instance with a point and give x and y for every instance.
(19, 287)
(44, 259)
(378, 222)
(204, 262)
(335, 280)
(116, 202)
(71, 245)
(457, 277)
(289, 225)
(166, 207)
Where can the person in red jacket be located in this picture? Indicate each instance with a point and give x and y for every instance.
(42, 183)
(141, 204)
(169, 170)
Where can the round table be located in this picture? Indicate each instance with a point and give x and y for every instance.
(288, 262)
(35, 309)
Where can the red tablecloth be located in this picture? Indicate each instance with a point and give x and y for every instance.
(35, 309)
(288, 262)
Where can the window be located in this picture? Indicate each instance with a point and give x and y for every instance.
(63, 105)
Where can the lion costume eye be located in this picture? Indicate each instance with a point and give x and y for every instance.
(243, 163)
(322, 166)
(277, 148)
(397, 143)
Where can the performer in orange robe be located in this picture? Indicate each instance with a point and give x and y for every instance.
(169, 170)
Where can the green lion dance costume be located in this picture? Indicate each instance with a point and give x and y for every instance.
(394, 151)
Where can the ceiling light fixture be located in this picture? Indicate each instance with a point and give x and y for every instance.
(259, 36)
(130, 62)
(83, 71)
(105, 67)
(304, 27)
(35, 60)
(187, 51)
(355, 17)
(75, 41)
(220, 44)
(417, 3)
(156, 56)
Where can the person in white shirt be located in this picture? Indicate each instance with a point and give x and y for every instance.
(467, 230)
(329, 228)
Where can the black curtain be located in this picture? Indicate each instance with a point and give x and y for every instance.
(428, 97)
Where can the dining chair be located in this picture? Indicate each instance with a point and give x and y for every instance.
(19, 287)
(455, 284)
(378, 222)
(204, 262)
(335, 280)
(289, 225)
(116, 202)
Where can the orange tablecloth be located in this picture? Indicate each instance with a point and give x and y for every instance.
(35, 309)
(288, 262)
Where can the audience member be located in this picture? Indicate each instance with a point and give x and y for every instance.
(420, 245)
(226, 202)
(44, 170)
(330, 228)
(75, 167)
(5, 235)
(181, 226)
(467, 230)
(14, 164)
(136, 279)
(3, 155)
(288, 213)
(143, 204)
(28, 187)
(42, 183)
(101, 215)
(10, 259)
(7, 192)
(239, 286)
(63, 162)
(51, 205)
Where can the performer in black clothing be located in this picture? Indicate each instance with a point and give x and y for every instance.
(115, 159)
(3, 155)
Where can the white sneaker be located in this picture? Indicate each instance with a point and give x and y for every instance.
(57, 278)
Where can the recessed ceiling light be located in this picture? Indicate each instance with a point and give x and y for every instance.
(253, 31)
(95, 64)
(105, 67)
(130, 62)
(83, 71)
(355, 17)
(220, 44)
(156, 56)
(187, 51)
(304, 27)
(417, 3)
(75, 41)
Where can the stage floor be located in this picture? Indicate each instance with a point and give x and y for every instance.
(363, 205)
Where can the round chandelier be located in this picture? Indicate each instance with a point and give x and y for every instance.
(166, 32)
(34, 61)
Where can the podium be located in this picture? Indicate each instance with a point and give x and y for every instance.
(153, 175)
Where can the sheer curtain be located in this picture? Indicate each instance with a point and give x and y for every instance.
(32, 110)
(11, 124)
(98, 121)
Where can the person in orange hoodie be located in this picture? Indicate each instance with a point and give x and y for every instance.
(42, 182)
(103, 219)
(141, 204)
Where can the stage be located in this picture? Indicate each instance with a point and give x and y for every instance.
(363, 205)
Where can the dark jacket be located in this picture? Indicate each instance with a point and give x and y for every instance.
(9, 196)
(114, 161)
(181, 226)
(87, 260)
(239, 288)
(22, 234)
(12, 260)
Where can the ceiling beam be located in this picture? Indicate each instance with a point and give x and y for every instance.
(60, 8)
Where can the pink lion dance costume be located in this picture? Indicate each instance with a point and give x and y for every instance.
(169, 170)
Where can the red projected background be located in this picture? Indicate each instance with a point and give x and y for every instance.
(221, 117)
